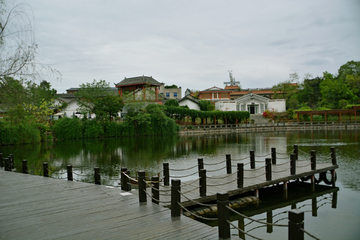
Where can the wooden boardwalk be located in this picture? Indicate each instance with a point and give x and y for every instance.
(35, 207)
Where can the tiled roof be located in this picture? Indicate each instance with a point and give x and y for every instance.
(138, 80)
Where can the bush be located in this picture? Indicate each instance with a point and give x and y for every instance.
(67, 128)
(17, 134)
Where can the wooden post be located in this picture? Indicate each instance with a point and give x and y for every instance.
(285, 190)
(1, 160)
(228, 163)
(252, 159)
(269, 219)
(296, 221)
(240, 175)
(46, 169)
(155, 189)
(273, 156)
(202, 182)
(175, 197)
(333, 177)
(142, 186)
(7, 164)
(124, 179)
(12, 161)
(241, 225)
(97, 175)
(69, 173)
(292, 164)
(314, 207)
(313, 159)
(268, 169)
(333, 156)
(334, 199)
(313, 183)
(200, 165)
(223, 215)
(24, 166)
(296, 151)
(166, 174)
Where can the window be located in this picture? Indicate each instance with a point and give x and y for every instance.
(175, 94)
(167, 94)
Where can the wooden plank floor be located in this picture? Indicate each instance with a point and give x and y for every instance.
(34, 207)
(253, 179)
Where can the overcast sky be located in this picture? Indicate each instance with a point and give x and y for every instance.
(194, 43)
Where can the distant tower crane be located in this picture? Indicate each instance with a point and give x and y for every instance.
(232, 80)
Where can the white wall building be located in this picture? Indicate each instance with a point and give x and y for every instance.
(189, 101)
(252, 103)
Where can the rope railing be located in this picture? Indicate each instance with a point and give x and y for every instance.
(191, 190)
(240, 159)
(255, 176)
(221, 177)
(132, 179)
(280, 164)
(280, 171)
(269, 154)
(239, 229)
(190, 183)
(251, 170)
(198, 203)
(214, 163)
(221, 184)
(309, 234)
(254, 220)
(216, 169)
(244, 164)
(183, 175)
(183, 169)
(157, 200)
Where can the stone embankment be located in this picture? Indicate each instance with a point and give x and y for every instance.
(268, 127)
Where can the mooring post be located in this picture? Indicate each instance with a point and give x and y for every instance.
(268, 169)
(273, 155)
(69, 173)
(200, 165)
(292, 164)
(24, 166)
(296, 222)
(285, 190)
(128, 180)
(228, 163)
(241, 226)
(333, 156)
(1, 160)
(269, 219)
(175, 197)
(314, 207)
(313, 183)
(240, 175)
(166, 173)
(142, 186)
(313, 159)
(202, 182)
(46, 169)
(223, 215)
(7, 164)
(333, 177)
(334, 200)
(12, 161)
(296, 151)
(252, 159)
(97, 175)
(124, 179)
(155, 189)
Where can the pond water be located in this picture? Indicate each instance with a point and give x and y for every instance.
(149, 153)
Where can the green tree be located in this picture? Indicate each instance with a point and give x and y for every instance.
(108, 106)
(287, 89)
(89, 94)
(206, 105)
(333, 89)
(172, 103)
(309, 91)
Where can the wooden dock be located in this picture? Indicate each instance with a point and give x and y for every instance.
(35, 207)
(254, 179)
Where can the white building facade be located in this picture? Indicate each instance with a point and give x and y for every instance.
(252, 103)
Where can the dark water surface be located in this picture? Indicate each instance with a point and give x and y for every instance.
(149, 153)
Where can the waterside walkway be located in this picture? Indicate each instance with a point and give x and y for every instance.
(35, 207)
